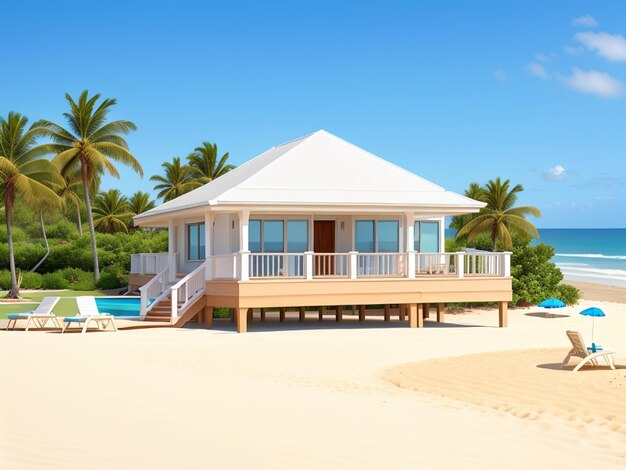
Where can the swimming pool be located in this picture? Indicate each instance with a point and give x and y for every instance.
(119, 306)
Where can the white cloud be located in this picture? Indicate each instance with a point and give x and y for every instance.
(586, 21)
(500, 75)
(545, 58)
(571, 50)
(556, 173)
(594, 83)
(536, 69)
(610, 46)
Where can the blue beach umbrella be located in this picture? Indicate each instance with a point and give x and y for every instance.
(552, 303)
(592, 312)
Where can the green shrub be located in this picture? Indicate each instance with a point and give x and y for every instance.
(568, 294)
(31, 280)
(5, 279)
(18, 234)
(78, 279)
(54, 281)
(62, 230)
(112, 279)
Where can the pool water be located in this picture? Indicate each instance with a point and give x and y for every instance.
(119, 306)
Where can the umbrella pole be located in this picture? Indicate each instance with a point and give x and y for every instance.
(593, 324)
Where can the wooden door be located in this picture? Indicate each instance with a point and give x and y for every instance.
(324, 242)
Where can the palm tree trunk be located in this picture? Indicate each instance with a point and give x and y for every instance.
(92, 231)
(45, 239)
(79, 224)
(14, 292)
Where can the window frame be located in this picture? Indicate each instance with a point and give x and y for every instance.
(417, 234)
(375, 227)
(200, 241)
(285, 222)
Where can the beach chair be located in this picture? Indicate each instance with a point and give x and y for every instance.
(579, 349)
(88, 313)
(40, 316)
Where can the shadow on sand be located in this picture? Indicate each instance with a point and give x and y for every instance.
(546, 315)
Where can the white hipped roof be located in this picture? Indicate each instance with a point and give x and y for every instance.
(318, 170)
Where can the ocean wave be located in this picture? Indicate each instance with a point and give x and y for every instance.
(602, 276)
(590, 255)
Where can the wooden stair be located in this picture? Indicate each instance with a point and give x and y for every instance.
(161, 312)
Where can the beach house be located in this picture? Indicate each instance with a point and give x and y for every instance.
(317, 222)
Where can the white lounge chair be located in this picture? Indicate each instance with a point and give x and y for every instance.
(40, 316)
(88, 313)
(579, 349)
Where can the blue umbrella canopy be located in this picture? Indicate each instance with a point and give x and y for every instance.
(552, 303)
(593, 312)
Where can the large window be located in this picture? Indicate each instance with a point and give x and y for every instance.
(269, 236)
(195, 242)
(426, 237)
(379, 236)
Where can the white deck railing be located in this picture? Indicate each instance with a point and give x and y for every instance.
(155, 290)
(276, 265)
(381, 264)
(151, 263)
(354, 265)
(187, 290)
(331, 264)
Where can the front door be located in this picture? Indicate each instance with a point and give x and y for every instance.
(324, 242)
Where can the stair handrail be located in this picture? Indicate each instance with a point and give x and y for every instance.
(156, 287)
(190, 288)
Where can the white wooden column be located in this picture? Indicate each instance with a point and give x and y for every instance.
(244, 249)
(409, 240)
(171, 249)
(209, 217)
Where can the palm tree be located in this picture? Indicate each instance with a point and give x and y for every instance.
(177, 180)
(91, 146)
(205, 165)
(474, 191)
(24, 174)
(140, 202)
(500, 215)
(111, 212)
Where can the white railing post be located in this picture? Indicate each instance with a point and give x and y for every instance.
(174, 297)
(410, 265)
(460, 264)
(244, 265)
(308, 265)
(208, 271)
(172, 265)
(143, 304)
(352, 265)
(506, 264)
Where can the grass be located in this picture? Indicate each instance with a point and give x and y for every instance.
(66, 307)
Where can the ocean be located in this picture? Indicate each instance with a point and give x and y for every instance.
(590, 255)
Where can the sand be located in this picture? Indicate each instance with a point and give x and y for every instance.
(592, 291)
(318, 396)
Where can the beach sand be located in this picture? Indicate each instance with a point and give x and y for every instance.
(321, 395)
(592, 291)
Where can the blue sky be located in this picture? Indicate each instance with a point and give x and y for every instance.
(453, 91)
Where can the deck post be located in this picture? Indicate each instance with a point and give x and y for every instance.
(387, 315)
(420, 316)
(302, 314)
(352, 266)
(250, 315)
(426, 313)
(409, 230)
(440, 312)
(413, 315)
(242, 319)
(361, 312)
(402, 312)
(460, 264)
(308, 265)
(339, 313)
(503, 314)
(321, 313)
(208, 245)
(281, 314)
(208, 316)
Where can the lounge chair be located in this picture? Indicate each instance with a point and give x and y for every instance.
(40, 316)
(580, 350)
(88, 313)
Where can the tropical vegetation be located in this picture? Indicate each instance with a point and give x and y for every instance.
(50, 184)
